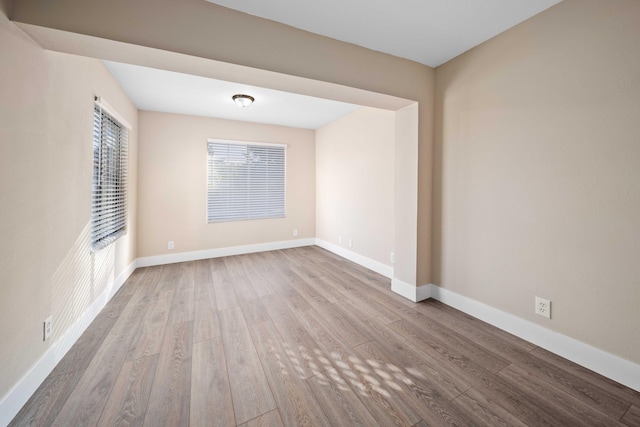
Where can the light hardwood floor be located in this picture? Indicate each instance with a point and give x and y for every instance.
(303, 337)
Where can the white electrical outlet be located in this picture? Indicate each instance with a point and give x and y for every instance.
(350, 243)
(393, 257)
(48, 328)
(170, 245)
(340, 240)
(543, 307)
(295, 232)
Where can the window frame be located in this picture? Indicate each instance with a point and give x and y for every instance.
(209, 217)
(109, 190)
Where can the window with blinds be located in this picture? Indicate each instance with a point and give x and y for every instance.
(109, 196)
(245, 181)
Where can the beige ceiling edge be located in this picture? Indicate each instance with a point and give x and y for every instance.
(95, 47)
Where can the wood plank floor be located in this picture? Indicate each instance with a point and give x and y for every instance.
(304, 337)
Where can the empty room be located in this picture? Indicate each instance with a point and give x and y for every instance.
(264, 213)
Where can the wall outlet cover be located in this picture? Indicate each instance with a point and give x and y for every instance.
(543, 307)
(48, 328)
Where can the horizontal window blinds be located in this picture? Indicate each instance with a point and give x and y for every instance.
(245, 181)
(109, 193)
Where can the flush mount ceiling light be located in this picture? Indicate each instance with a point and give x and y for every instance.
(243, 100)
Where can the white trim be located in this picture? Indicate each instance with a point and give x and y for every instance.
(607, 364)
(112, 111)
(122, 277)
(20, 393)
(410, 292)
(362, 260)
(220, 252)
(243, 142)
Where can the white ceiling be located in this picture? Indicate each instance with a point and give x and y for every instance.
(427, 31)
(166, 91)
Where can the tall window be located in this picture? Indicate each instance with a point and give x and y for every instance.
(109, 198)
(245, 181)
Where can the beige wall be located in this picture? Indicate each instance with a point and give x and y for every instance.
(537, 172)
(265, 45)
(46, 125)
(406, 170)
(173, 177)
(5, 7)
(355, 182)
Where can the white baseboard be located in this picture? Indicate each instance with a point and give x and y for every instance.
(606, 364)
(362, 260)
(411, 292)
(220, 252)
(15, 399)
